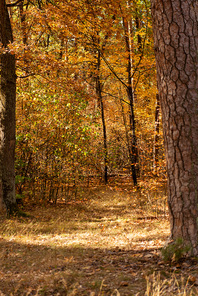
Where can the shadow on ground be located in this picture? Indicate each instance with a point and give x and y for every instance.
(105, 247)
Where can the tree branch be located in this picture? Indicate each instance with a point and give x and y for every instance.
(14, 4)
(112, 70)
(25, 76)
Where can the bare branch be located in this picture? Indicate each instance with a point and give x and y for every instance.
(112, 70)
(14, 4)
(26, 76)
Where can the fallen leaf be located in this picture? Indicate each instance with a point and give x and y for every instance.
(124, 284)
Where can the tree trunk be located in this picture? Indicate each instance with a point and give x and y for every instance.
(156, 136)
(7, 114)
(100, 100)
(130, 93)
(175, 25)
(23, 22)
(133, 150)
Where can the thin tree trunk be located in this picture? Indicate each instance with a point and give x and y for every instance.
(104, 141)
(23, 22)
(139, 38)
(156, 136)
(133, 153)
(175, 24)
(100, 99)
(7, 114)
(130, 93)
(126, 130)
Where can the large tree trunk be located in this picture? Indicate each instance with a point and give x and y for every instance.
(7, 114)
(175, 24)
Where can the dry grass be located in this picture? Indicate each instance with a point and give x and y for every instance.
(108, 245)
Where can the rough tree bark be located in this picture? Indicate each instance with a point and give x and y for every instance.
(7, 113)
(175, 25)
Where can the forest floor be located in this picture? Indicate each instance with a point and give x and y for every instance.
(108, 244)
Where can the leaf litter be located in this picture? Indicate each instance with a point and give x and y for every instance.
(104, 246)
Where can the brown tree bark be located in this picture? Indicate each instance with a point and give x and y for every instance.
(175, 25)
(7, 113)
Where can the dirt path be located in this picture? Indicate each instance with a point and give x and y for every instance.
(105, 246)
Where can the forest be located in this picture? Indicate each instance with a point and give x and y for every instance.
(87, 107)
(84, 152)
